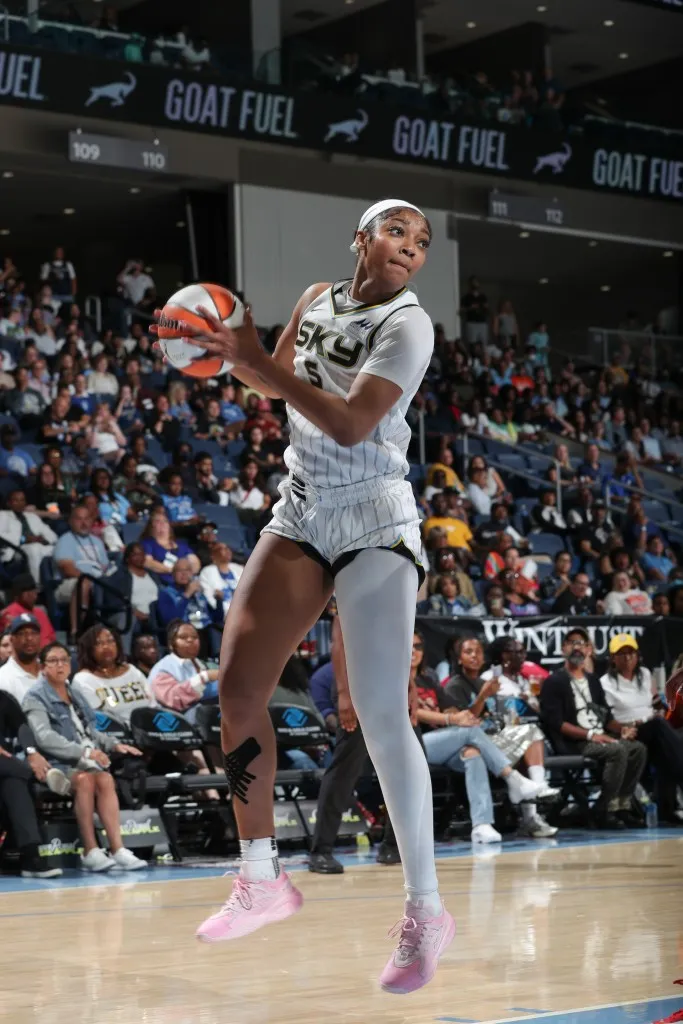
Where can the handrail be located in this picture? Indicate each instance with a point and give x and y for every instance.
(678, 530)
(5, 16)
(526, 475)
(102, 582)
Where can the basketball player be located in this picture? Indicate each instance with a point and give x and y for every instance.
(348, 364)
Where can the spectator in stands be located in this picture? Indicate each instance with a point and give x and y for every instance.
(577, 717)
(447, 600)
(24, 594)
(27, 531)
(109, 683)
(178, 506)
(562, 467)
(162, 550)
(105, 436)
(129, 482)
(444, 464)
(114, 508)
(14, 460)
(16, 776)
(495, 602)
(547, 517)
(48, 499)
(64, 727)
(577, 599)
(60, 275)
(591, 470)
(76, 553)
(615, 558)
(179, 407)
(559, 580)
(145, 653)
(203, 485)
(518, 600)
(655, 563)
(495, 488)
(625, 599)
(672, 444)
(624, 476)
(184, 599)
(21, 670)
(505, 328)
(476, 492)
(595, 530)
(661, 604)
(446, 561)
(651, 451)
(219, 580)
(25, 403)
(60, 421)
(495, 560)
(162, 425)
(458, 533)
(127, 414)
(248, 493)
(135, 282)
(135, 583)
(231, 412)
(638, 528)
(475, 311)
(486, 533)
(631, 695)
(180, 681)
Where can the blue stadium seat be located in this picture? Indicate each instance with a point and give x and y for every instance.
(131, 532)
(235, 449)
(513, 461)
(235, 537)
(547, 544)
(543, 571)
(656, 510)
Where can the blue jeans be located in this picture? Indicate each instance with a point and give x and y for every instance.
(443, 747)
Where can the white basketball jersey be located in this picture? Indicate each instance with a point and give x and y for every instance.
(338, 339)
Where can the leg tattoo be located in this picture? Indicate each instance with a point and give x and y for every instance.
(235, 764)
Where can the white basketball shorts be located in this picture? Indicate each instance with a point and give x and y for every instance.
(336, 524)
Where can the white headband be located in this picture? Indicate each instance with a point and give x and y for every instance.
(374, 211)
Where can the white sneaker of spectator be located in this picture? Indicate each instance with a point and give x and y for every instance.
(485, 834)
(521, 789)
(57, 782)
(547, 792)
(127, 861)
(537, 828)
(97, 860)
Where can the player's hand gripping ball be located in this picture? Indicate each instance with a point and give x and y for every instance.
(182, 307)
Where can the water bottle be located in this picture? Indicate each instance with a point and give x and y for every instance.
(651, 814)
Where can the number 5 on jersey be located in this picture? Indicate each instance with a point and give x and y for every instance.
(313, 373)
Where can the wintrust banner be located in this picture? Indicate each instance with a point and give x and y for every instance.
(658, 639)
(162, 97)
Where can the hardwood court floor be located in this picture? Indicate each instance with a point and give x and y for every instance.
(540, 929)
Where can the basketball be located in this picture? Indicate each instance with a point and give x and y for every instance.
(182, 305)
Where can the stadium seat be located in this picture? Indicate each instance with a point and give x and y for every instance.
(547, 544)
(131, 532)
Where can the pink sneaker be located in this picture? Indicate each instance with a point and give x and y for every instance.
(251, 906)
(415, 959)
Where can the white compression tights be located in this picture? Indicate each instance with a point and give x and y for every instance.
(376, 596)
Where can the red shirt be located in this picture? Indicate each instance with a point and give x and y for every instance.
(14, 610)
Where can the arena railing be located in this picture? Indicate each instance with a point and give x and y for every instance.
(663, 350)
(669, 527)
(4, 22)
(518, 472)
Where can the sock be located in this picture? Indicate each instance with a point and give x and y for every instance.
(536, 773)
(423, 904)
(260, 861)
(528, 812)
